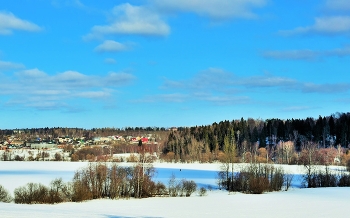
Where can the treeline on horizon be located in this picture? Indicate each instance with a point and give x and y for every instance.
(54, 132)
(325, 131)
(278, 139)
(328, 129)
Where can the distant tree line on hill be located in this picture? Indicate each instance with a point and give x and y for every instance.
(271, 140)
(279, 138)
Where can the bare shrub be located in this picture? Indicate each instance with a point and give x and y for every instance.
(168, 157)
(258, 185)
(31, 158)
(132, 158)
(256, 179)
(32, 193)
(160, 189)
(36, 193)
(202, 191)
(189, 187)
(58, 157)
(288, 181)
(4, 195)
(74, 157)
(320, 178)
(87, 153)
(18, 158)
(277, 178)
(327, 178)
(59, 191)
(344, 180)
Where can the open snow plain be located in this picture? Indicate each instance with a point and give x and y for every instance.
(297, 202)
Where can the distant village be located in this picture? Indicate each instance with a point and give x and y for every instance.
(16, 142)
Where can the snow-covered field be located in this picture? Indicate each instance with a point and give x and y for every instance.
(297, 202)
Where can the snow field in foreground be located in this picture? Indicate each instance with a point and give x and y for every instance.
(321, 202)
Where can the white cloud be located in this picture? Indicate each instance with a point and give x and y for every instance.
(111, 46)
(224, 99)
(267, 81)
(110, 61)
(326, 88)
(9, 22)
(94, 94)
(212, 85)
(172, 97)
(338, 5)
(220, 81)
(307, 54)
(35, 88)
(32, 73)
(6, 65)
(118, 79)
(331, 25)
(340, 52)
(133, 20)
(212, 77)
(221, 87)
(216, 9)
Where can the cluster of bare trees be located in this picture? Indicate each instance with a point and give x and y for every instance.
(101, 180)
(36, 193)
(255, 178)
(317, 168)
(97, 180)
(105, 153)
(181, 188)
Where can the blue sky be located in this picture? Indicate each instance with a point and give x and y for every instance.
(84, 63)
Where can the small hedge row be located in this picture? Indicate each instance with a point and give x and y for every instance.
(256, 179)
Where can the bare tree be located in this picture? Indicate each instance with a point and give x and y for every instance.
(229, 159)
(309, 157)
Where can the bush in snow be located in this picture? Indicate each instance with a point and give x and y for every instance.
(189, 187)
(4, 195)
(180, 188)
(344, 180)
(202, 191)
(36, 193)
(255, 178)
(32, 193)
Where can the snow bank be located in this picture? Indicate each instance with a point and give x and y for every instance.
(311, 203)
